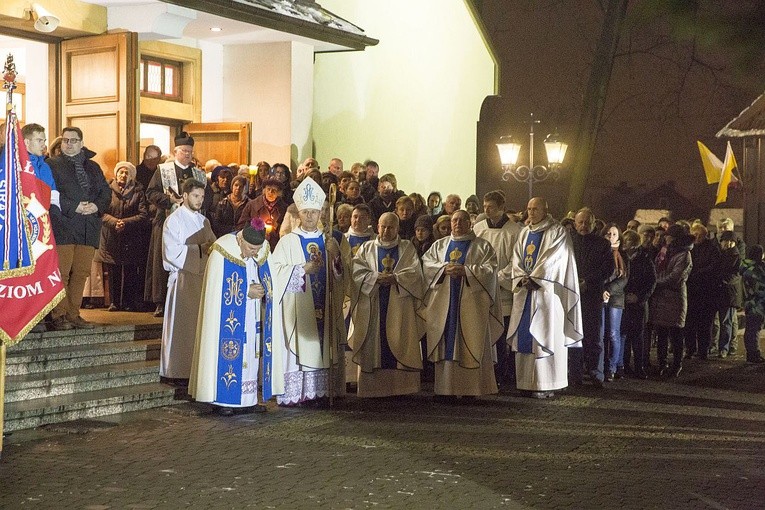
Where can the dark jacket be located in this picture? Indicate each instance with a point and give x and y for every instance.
(380, 206)
(130, 245)
(642, 277)
(594, 264)
(72, 227)
(704, 280)
(226, 215)
(730, 295)
(615, 284)
(273, 215)
(669, 303)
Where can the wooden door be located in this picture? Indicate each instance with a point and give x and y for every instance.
(99, 93)
(228, 142)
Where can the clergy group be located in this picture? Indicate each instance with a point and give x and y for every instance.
(245, 323)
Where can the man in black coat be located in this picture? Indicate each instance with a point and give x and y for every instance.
(595, 264)
(703, 284)
(84, 196)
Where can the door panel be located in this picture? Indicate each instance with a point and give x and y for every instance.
(228, 142)
(99, 95)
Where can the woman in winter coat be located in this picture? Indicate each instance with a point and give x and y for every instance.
(613, 300)
(124, 243)
(228, 211)
(669, 304)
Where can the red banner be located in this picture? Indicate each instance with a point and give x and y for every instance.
(30, 280)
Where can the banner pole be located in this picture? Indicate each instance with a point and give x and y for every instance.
(2, 394)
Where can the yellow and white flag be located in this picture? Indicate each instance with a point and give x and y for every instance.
(712, 164)
(726, 177)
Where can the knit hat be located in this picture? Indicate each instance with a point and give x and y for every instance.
(255, 232)
(423, 221)
(127, 165)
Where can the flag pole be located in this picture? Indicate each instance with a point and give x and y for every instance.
(330, 289)
(2, 394)
(9, 82)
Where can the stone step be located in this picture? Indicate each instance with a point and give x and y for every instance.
(100, 334)
(63, 382)
(69, 357)
(42, 411)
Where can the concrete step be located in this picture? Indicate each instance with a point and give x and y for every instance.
(63, 382)
(100, 334)
(79, 356)
(42, 411)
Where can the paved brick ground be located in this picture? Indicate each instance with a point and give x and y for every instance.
(695, 443)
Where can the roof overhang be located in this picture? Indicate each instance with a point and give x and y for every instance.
(750, 122)
(248, 12)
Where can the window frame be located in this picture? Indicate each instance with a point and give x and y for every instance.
(164, 64)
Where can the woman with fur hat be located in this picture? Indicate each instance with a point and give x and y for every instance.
(125, 238)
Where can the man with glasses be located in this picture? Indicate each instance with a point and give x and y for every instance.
(84, 195)
(164, 193)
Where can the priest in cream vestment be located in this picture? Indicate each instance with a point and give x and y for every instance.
(462, 310)
(547, 317)
(387, 290)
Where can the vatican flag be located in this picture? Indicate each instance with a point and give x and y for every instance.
(712, 164)
(726, 176)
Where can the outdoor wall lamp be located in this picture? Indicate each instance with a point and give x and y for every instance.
(509, 150)
(44, 20)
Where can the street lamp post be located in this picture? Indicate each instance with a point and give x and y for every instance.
(508, 155)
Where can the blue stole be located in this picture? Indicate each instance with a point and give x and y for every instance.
(264, 273)
(356, 241)
(387, 258)
(456, 252)
(232, 336)
(530, 253)
(314, 249)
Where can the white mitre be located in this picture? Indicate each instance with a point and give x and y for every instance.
(309, 195)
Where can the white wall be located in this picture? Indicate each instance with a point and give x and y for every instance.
(412, 102)
(212, 81)
(270, 85)
(31, 59)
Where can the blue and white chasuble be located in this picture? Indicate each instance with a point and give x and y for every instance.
(455, 253)
(355, 241)
(387, 258)
(530, 254)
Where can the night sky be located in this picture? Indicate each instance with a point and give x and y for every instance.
(659, 101)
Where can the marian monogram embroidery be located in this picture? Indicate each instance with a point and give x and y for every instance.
(234, 293)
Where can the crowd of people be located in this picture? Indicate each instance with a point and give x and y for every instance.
(293, 277)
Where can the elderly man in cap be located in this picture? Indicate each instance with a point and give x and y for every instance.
(232, 331)
(387, 290)
(308, 306)
(186, 239)
(164, 193)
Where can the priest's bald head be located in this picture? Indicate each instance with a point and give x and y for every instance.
(387, 227)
